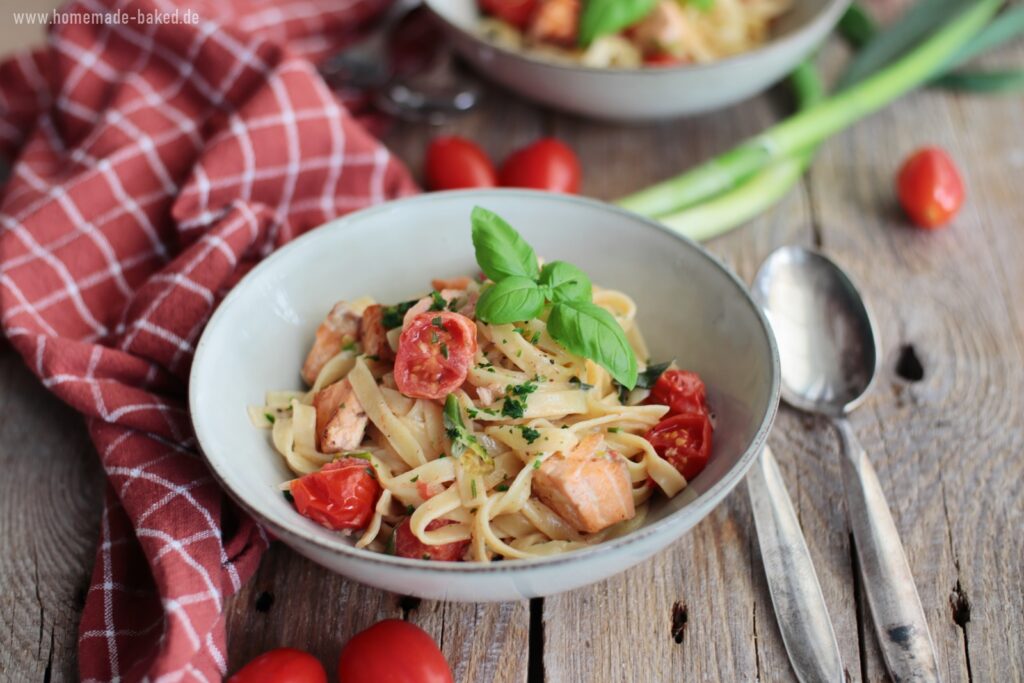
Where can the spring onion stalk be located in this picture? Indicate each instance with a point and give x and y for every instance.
(759, 193)
(810, 127)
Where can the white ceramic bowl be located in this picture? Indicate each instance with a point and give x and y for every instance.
(690, 308)
(648, 94)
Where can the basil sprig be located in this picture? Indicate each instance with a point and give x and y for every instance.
(521, 290)
(603, 17)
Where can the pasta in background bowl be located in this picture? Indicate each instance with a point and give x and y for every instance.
(608, 79)
(688, 305)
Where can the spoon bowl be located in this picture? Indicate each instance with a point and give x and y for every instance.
(825, 334)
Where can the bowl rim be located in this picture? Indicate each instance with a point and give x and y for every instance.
(828, 15)
(288, 531)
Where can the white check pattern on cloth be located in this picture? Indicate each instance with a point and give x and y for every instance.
(153, 165)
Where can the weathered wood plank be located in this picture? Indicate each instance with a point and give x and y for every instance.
(947, 447)
(49, 522)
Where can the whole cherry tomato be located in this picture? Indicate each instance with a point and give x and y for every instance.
(515, 12)
(453, 163)
(547, 164)
(393, 651)
(283, 665)
(682, 391)
(407, 545)
(930, 188)
(340, 496)
(684, 441)
(434, 354)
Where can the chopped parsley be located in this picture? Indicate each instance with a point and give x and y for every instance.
(535, 338)
(415, 479)
(472, 487)
(472, 412)
(614, 430)
(536, 464)
(519, 353)
(438, 303)
(523, 389)
(513, 407)
(426, 556)
(369, 470)
(350, 346)
(529, 433)
(270, 418)
(444, 350)
(434, 338)
(392, 316)
(501, 487)
(454, 304)
(409, 509)
(437, 322)
(288, 496)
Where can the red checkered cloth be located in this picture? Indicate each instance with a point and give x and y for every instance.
(153, 164)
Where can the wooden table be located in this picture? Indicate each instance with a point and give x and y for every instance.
(944, 427)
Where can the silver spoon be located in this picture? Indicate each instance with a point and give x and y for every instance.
(830, 357)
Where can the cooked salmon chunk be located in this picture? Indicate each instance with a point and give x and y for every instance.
(589, 487)
(555, 21)
(373, 334)
(340, 418)
(460, 282)
(340, 327)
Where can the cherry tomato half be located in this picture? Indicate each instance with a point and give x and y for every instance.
(283, 665)
(434, 354)
(453, 163)
(682, 391)
(930, 188)
(684, 441)
(515, 12)
(662, 59)
(340, 496)
(407, 545)
(547, 164)
(393, 651)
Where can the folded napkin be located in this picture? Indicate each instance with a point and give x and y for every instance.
(153, 163)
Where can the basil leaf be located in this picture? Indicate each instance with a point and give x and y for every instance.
(601, 17)
(510, 300)
(567, 282)
(590, 331)
(500, 251)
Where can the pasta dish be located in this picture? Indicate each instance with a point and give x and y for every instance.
(505, 416)
(630, 33)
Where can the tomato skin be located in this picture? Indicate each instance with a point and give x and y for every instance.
(662, 59)
(434, 354)
(340, 496)
(684, 441)
(515, 12)
(407, 545)
(547, 164)
(930, 188)
(454, 162)
(682, 391)
(393, 651)
(283, 665)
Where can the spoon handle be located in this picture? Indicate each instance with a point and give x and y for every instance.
(796, 594)
(895, 605)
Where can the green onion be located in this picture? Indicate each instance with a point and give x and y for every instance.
(745, 181)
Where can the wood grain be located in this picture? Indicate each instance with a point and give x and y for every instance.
(947, 446)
